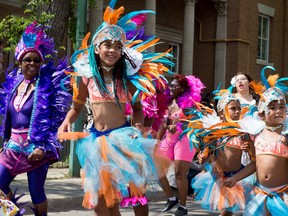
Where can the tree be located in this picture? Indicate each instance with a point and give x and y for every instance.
(59, 14)
(61, 9)
(54, 13)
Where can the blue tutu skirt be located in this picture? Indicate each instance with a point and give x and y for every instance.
(275, 200)
(215, 197)
(114, 160)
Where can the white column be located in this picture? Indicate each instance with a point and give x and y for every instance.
(150, 24)
(220, 48)
(188, 37)
(95, 17)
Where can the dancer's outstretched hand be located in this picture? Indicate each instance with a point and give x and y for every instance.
(65, 127)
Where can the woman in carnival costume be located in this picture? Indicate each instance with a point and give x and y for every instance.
(220, 188)
(33, 106)
(114, 72)
(271, 189)
(185, 91)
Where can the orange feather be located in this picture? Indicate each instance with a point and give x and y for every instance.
(161, 55)
(106, 14)
(84, 44)
(146, 46)
(272, 79)
(72, 135)
(115, 16)
(257, 87)
(132, 43)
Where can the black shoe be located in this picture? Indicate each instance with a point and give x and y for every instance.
(181, 212)
(169, 205)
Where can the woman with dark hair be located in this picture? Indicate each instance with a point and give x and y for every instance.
(33, 105)
(243, 89)
(185, 91)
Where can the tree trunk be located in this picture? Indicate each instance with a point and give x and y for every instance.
(59, 24)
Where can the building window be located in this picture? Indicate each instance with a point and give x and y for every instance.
(175, 59)
(263, 38)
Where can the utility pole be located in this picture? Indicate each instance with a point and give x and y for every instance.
(74, 165)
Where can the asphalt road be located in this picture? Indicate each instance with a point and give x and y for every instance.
(194, 208)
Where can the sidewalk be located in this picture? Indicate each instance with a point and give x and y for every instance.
(65, 193)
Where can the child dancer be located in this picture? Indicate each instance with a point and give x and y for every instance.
(114, 73)
(271, 188)
(219, 188)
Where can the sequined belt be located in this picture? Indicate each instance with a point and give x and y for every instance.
(19, 135)
(24, 148)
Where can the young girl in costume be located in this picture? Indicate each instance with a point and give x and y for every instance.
(219, 188)
(114, 73)
(271, 188)
(247, 92)
(185, 91)
(33, 105)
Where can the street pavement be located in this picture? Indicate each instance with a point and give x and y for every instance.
(154, 210)
(65, 196)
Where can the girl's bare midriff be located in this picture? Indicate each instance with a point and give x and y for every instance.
(229, 159)
(108, 115)
(272, 170)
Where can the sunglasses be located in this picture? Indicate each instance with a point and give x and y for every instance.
(175, 87)
(29, 60)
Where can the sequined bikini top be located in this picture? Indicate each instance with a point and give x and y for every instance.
(276, 147)
(96, 97)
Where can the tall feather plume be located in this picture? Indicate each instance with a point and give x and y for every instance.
(263, 77)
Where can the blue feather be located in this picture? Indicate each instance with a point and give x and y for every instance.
(144, 42)
(129, 26)
(263, 77)
(75, 55)
(112, 3)
(230, 89)
(135, 96)
(29, 39)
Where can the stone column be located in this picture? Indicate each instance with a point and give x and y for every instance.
(95, 17)
(150, 25)
(188, 37)
(220, 47)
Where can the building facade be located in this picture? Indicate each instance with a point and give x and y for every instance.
(212, 39)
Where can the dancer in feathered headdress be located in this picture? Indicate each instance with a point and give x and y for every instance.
(115, 71)
(33, 105)
(271, 188)
(220, 188)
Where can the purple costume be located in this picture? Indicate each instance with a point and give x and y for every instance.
(33, 126)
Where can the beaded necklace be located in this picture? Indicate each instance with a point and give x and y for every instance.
(24, 92)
